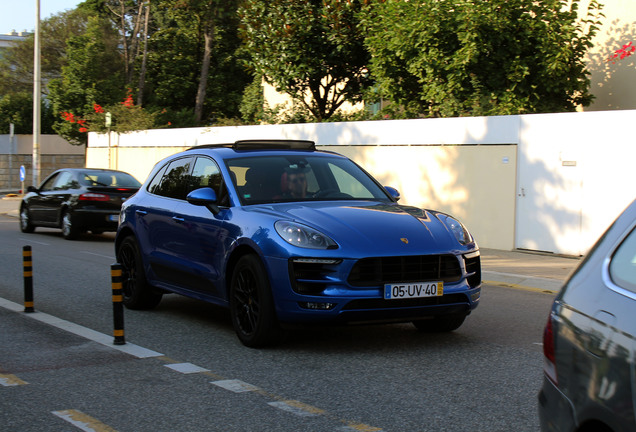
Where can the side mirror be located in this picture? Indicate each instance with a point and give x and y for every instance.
(205, 197)
(393, 192)
(32, 189)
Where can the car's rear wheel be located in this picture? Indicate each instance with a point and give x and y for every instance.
(138, 294)
(439, 324)
(69, 229)
(252, 305)
(25, 221)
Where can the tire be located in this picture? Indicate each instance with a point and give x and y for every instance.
(440, 324)
(138, 294)
(69, 230)
(25, 221)
(252, 305)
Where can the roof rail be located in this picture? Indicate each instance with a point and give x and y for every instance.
(274, 144)
(264, 144)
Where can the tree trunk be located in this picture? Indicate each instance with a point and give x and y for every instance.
(203, 78)
(142, 73)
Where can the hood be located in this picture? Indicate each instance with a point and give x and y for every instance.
(372, 228)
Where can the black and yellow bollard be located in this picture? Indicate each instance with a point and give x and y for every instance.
(27, 268)
(118, 305)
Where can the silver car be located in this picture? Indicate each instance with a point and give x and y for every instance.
(589, 341)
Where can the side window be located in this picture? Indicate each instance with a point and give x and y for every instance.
(64, 181)
(206, 173)
(174, 181)
(48, 184)
(153, 186)
(622, 268)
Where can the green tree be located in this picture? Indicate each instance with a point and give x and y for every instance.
(17, 108)
(16, 71)
(16, 62)
(480, 57)
(311, 50)
(93, 74)
(179, 84)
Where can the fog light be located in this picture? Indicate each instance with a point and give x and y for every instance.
(317, 306)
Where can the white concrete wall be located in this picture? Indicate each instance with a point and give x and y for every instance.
(470, 167)
(612, 83)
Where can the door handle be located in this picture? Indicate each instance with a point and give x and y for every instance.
(141, 212)
(178, 219)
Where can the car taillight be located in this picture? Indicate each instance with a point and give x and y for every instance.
(93, 197)
(549, 363)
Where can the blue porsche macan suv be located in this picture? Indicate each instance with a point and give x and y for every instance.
(281, 233)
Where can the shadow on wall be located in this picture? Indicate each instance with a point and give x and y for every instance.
(611, 80)
(462, 180)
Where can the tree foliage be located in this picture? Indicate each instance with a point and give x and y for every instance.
(93, 73)
(184, 63)
(194, 70)
(312, 50)
(17, 108)
(480, 57)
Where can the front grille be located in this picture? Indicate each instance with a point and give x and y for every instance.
(379, 303)
(419, 268)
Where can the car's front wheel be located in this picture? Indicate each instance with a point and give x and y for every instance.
(439, 324)
(252, 305)
(25, 221)
(138, 294)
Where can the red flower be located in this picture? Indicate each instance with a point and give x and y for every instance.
(128, 102)
(98, 109)
(83, 129)
(627, 50)
(69, 117)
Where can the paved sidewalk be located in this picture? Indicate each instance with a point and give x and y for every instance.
(516, 269)
(528, 270)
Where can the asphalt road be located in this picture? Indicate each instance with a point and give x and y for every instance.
(194, 375)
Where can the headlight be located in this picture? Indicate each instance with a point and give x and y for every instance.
(458, 229)
(303, 236)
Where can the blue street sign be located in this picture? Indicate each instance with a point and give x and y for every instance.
(22, 173)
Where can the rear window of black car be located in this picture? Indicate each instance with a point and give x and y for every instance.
(108, 179)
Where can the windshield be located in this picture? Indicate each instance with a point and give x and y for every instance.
(287, 178)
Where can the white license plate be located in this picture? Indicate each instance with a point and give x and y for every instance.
(413, 290)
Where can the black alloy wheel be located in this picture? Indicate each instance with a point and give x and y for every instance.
(138, 294)
(252, 305)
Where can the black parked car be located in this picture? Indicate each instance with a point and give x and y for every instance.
(77, 200)
(589, 341)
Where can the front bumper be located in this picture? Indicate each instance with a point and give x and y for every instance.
(338, 302)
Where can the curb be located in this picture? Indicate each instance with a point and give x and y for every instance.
(526, 283)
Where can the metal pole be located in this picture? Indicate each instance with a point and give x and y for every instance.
(37, 95)
(11, 153)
